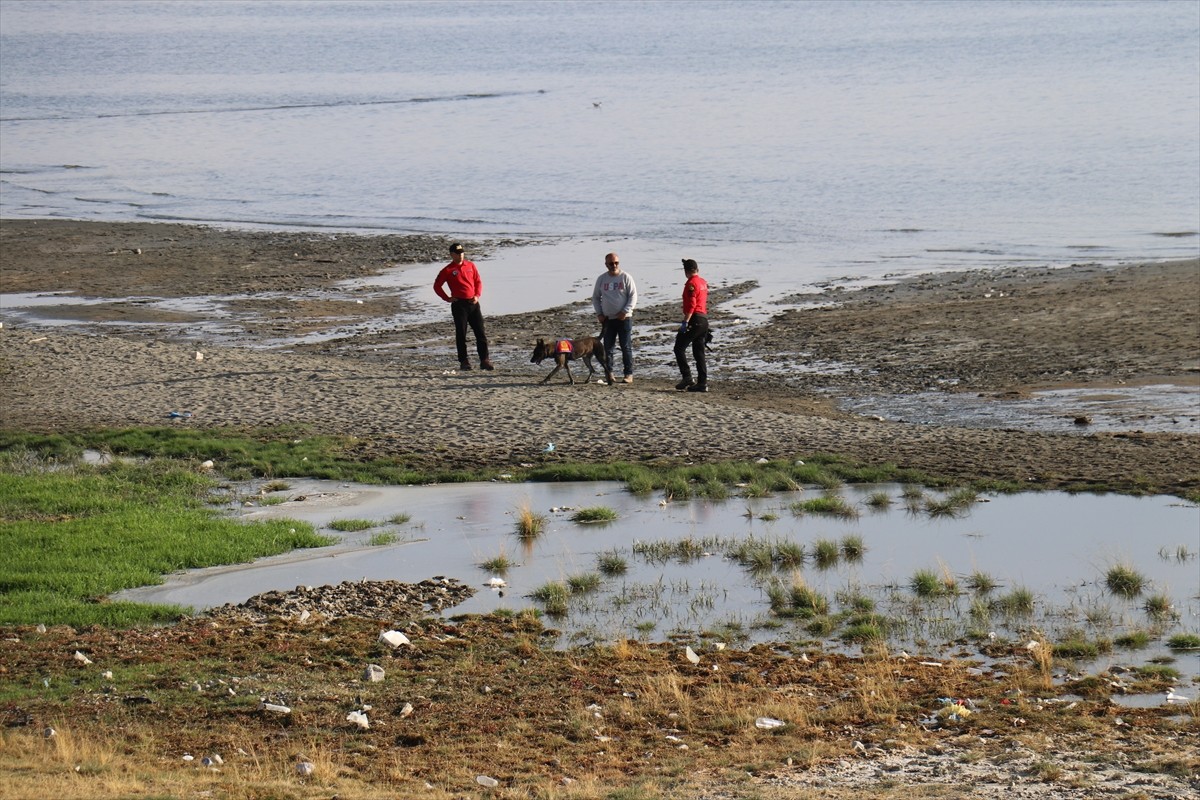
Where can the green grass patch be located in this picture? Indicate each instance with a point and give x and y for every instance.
(352, 525)
(381, 538)
(1184, 641)
(75, 535)
(594, 514)
(612, 563)
(1124, 581)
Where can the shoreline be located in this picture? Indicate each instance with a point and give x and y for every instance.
(394, 387)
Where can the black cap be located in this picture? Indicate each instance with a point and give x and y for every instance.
(456, 248)
(690, 265)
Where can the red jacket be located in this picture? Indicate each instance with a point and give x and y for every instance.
(695, 296)
(463, 280)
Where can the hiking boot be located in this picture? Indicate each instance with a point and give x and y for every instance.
(684, 385)
(465, 366)
(627, 379)
(487, 364)
(698, 387)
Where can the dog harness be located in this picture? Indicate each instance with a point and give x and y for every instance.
(565, 347)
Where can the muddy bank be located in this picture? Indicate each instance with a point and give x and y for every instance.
(396, 389)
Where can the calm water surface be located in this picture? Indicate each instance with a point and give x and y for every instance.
(1059, 546)
(787, 141)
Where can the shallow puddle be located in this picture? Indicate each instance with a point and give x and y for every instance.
(1058, 546)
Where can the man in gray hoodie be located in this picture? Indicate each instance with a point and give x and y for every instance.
(613, 298)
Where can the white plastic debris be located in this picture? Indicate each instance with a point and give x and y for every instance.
(767, 723)
(1175, 697)
(373, 673)
(304, 616)
(487, 781)
(394, 638)
(406, 711)
(199, 356)
(82, 659)
(188, 757)
(496, 582)
(207, 465)
(762, 460)
(107, 674)
(306, 768)
(274, 708)
(359, 719)
(691, 655)
(41, 628)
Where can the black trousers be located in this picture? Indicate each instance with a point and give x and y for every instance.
(693, 336)
(467, 313)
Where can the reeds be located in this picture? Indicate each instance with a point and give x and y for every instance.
(1124, 581)
(826, 553)
(853, 548)
(928, 584)
(611, 563)
(498, 565)
(530, 524)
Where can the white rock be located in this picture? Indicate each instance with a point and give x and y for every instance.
(41, 628)
(207, 465)
(394, 638)
(107, 674)
(691, 655)
(767, 723)
(306, 768)
(407, 710)
(188, 757)
(487, 780)
(373, 673)
(274, 708)
(82, 659)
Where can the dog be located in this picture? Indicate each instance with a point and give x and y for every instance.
(564, 351)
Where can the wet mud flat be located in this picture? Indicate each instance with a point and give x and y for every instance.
(979, 333)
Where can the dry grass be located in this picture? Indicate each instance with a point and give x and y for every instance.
(489, 697)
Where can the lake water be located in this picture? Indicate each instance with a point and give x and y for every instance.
(1058, 546)
(791, 142)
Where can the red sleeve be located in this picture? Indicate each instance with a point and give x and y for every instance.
(440, 282)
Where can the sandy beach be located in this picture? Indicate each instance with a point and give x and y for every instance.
(998, 335)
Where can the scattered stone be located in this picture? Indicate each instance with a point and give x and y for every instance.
(487, 781)
(274, 708)
(373, 673)
(306, 768)
(82, 659)
(383, 600)
(394, 638)
(406, 711)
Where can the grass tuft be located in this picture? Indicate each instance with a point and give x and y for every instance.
(1124, 581)
(594, 514)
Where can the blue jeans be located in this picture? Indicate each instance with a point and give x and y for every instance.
(621, 330)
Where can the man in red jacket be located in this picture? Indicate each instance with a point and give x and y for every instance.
(693, 332)
(465, 286)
